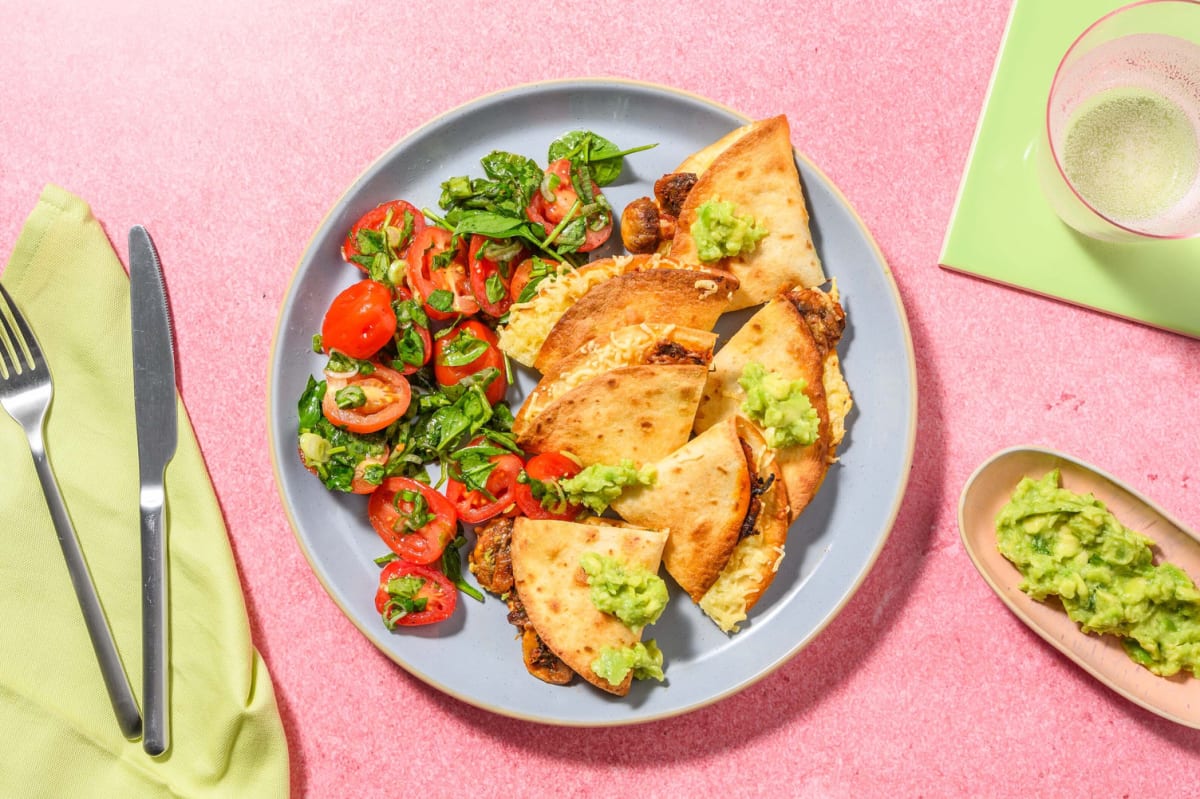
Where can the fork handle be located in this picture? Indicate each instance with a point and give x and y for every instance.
(119, 692)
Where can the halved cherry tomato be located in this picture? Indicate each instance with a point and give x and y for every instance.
(476, 506)
(470, 347)
(390, 215)
(548, 467)
(425, 277)
(436, 595)
(414, 344)
(549, 213)
(386, 396)
(415, 521)
(520, 279)
(489, 278)
(360, 320)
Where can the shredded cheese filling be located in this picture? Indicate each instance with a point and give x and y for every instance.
(725, 601)
(625, 346)
(529, 323)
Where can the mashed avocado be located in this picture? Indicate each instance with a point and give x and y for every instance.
(599, 484)
(645, 660)
(634, 595)
(719, 233)
(779, 406)
(1070, 546)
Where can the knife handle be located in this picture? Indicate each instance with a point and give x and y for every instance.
(155, 687)
(119, 691)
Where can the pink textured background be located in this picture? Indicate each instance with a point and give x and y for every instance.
(230, 127)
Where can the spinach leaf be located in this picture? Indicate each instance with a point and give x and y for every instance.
(452, 568)
(605, 158)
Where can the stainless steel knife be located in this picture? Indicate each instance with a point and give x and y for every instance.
(155, 412)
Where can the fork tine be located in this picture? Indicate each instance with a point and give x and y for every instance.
(8, 354)
(21, 337)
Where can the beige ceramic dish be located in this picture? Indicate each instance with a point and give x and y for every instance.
(989, 488)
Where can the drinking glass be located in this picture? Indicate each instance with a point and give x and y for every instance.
(1120, 156)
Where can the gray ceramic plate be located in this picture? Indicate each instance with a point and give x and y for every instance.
(475, 656)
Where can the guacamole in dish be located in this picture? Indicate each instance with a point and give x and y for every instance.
(1070, 546)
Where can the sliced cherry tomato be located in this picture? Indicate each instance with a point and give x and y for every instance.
(475, 506)
(520, 279)
(549, 213)
(414, 344)
(427, 598)
(415, 521)
(548, 467)
(440, 280)
(470, 347)
(360, 320)
(383, 397)
(489, 278)
(384, 220)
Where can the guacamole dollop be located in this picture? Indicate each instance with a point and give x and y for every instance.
(720, 233)
(599, 484)
(1071, 546)
(779, 406)
(644, 660)
(634, 595)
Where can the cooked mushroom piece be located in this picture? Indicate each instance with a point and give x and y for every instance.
(639, 226)
(671, 191)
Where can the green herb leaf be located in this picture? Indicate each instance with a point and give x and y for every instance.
(410, 348)
(494, 289)
(452, 568)
(462, 349)
(350, 397)
(441, 300)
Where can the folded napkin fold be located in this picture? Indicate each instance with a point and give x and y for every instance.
(58, 729)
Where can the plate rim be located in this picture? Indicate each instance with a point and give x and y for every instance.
(867, 564)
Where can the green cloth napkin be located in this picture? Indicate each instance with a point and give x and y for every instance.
(60, 737)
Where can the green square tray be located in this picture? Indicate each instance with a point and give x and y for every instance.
(1002, 227)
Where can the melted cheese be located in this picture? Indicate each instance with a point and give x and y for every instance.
(725, 601)
(629, 345)
(529, 323)
(837, 399)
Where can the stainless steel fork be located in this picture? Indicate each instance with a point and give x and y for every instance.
(25, 391)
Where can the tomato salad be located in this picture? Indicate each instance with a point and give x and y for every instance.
(414, 377)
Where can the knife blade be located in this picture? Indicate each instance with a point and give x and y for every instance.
(155, 414)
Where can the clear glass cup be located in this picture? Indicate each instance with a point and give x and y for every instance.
(1120, 156)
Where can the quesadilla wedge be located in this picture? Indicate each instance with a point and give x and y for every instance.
(611, 293)
(752, 565)
(711, 495)
(555, 592)
(631, 394)
(753, 169)
(793, 338)
(660, 291)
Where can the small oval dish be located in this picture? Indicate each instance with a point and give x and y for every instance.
(987, 490)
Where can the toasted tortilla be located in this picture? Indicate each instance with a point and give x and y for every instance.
(794, 336)
(654, 290)
(752, 565)
(754, 167)
(611, 401)
(700, 496)
(555, 592)
(689, 303)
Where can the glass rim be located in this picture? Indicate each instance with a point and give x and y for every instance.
(1050, 139)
